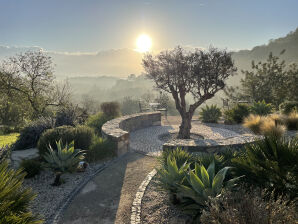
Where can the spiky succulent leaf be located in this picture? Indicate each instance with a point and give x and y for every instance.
(211, 171)
(217, 182)
(65, 158)
(205, 177)
(196, 182)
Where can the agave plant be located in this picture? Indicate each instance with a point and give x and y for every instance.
(181, 156)
(170, 177)
(66, 158)
(203, 184)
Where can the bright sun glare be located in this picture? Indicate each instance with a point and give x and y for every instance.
(144, 43)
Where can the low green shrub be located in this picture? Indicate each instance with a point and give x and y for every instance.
(30, 135)
(237, 113)
(65, 159)
(100, 149)
(210, 114)
(270, 163)
(248, 207)
(70, 115)
(288, 106)
(32, 167)
(110, 109)
(82, 135)
(97, 121)
(15, 199)
(261, 108)
(228, 117)
(66, 116)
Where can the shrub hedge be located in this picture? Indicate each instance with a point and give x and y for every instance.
(100, 149)
(30, 135)
(97, 121)
(81, 135)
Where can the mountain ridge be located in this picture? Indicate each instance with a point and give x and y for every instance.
(122, 62)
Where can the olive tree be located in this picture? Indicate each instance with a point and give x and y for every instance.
(199, 73)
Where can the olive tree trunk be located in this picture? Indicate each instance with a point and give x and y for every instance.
(184, 128)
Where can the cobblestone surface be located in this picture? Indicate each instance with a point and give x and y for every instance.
(147, 140)
(136, 205)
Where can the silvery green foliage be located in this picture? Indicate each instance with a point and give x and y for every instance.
(203, 183)
(65, 158)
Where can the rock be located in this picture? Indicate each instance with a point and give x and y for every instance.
(18, 156)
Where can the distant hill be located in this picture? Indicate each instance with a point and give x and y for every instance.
(122, 62)
(117, 63)
(243, 58)
(83, 85)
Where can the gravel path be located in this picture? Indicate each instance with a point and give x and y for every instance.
(108, 197)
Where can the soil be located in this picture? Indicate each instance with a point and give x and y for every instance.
(157, 208)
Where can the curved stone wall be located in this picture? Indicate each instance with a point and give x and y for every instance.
(202, 146)
(117, 130)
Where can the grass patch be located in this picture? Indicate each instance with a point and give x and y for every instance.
(8, 139)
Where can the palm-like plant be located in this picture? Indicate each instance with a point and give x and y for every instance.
(65, 159)
(14, 198)
(271, 163)
(202, 185)
(210, 114)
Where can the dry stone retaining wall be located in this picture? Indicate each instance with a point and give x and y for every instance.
(117, 130)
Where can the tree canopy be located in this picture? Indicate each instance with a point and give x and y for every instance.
(272, 81)
(28, 77)
(199, 73)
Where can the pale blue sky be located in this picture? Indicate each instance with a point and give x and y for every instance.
(94, 25)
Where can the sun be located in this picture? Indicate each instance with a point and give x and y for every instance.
(144, 43)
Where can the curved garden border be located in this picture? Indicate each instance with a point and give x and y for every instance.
(207, 145)
(137, 202)
(117, 130)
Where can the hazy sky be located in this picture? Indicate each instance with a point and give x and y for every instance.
(94, 25)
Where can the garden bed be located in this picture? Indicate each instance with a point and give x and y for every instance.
(50, 198)
(157, 208)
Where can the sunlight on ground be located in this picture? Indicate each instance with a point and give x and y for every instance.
(8, 139)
